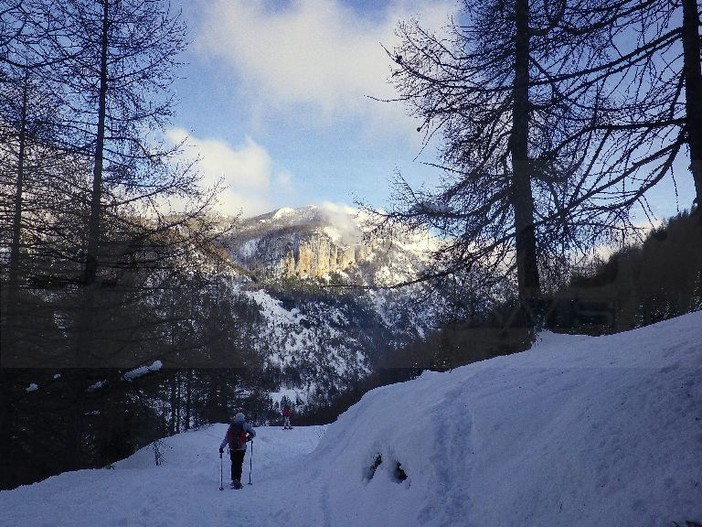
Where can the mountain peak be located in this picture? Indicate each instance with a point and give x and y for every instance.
(318, 241)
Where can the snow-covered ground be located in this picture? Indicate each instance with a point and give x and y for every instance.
(577, 431)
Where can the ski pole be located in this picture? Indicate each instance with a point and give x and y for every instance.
(251, 463)
(221, 482)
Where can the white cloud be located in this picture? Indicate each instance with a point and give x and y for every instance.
(319, 54)
(246, 171)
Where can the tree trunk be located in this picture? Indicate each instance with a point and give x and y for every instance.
(693, 91)
(91, 262)
(175, 404)
(188, 398)
(523, 201)
(93, 242)
(12, 317)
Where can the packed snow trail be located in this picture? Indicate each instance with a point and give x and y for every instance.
(183, 491)
(577, 431)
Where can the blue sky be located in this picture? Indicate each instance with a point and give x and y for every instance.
(274, 99)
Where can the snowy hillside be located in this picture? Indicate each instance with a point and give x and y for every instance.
(577, 431)
(330, 244)
(320, 332)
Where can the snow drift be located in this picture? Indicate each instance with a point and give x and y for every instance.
(577, 431)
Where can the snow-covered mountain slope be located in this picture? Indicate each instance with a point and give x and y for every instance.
(310, 273)
(328, 243)
(577, 431)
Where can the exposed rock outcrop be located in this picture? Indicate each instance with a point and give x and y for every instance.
(318, 256)
(310, 243)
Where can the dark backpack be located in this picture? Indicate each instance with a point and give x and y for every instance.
(237, 436)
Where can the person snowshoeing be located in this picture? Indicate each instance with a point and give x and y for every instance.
(287, 413)
(238, 434)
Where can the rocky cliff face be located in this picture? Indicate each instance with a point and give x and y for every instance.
(318, 256)
(320, 243)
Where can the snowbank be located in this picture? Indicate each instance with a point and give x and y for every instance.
(577, 431)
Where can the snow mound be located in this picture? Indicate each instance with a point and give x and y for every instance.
(577, 431)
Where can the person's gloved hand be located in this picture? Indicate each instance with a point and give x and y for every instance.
(221, 450)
